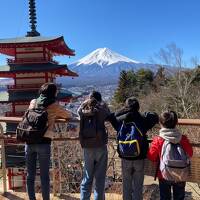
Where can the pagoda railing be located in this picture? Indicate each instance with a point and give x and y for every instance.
(16, 114)
(67, 170)
(28, 86)
(24, 86)
(30, 61)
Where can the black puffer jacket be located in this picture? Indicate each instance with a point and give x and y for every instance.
(143, 121)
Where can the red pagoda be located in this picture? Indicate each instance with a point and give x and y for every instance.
(31, 65)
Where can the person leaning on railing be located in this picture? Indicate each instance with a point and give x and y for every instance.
(41, 150)
(133, 167)
(94, 138)
(170, 135)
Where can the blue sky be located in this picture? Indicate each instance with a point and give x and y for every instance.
(134, 28)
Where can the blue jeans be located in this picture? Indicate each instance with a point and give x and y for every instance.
(42, 152)
(165, 190)
(95, 167)
(133, 178)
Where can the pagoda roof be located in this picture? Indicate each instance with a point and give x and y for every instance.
(24, 96)
(20, 40)
(12, 69)
(56, 44)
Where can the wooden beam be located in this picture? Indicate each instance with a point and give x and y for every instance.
(18, 119)
(189, 122)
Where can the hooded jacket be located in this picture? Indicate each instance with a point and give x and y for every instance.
(144, 122)
(54, 111)
(102, 115)
(171, 135)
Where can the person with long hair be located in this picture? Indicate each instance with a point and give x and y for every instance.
(41, 150)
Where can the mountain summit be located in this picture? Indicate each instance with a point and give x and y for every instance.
(102, 66)
(103, 57)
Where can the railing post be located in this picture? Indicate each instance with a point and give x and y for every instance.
(3, 160)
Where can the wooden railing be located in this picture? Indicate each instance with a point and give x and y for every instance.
(9, 137)
(149, 168)
(187, 122)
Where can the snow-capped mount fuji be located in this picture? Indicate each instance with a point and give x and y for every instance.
(102, 66)
(103, 57)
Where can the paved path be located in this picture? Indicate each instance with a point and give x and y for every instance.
(151, 192)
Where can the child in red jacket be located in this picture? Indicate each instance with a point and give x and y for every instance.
(168, 132)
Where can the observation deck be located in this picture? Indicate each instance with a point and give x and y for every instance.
(67, 162)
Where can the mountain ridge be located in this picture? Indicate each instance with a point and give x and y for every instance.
(102, 66)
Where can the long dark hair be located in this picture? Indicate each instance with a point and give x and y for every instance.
(47, 94)
(48, 90)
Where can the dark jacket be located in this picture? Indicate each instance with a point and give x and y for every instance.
(103, 114)
(144, 122)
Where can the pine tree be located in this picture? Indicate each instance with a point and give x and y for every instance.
(121, 93)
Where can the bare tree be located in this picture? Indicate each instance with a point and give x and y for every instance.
(181, 92)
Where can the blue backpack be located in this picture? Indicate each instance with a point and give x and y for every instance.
(130, 141)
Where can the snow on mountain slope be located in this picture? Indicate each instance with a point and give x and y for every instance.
(102, 65)
(102, 62)
(103, 57)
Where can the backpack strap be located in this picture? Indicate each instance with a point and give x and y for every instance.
(157, 169)
(120, 128)
(138, 129)
(158, 164)
(165, 143)
(123, 123)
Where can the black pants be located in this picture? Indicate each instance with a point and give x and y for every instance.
(165, 190)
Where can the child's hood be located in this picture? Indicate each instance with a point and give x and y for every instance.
(171, 135)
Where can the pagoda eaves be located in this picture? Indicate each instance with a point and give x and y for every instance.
(56, 45)
(9, 71)
(27, 96)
